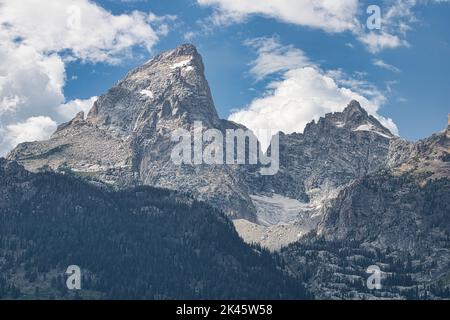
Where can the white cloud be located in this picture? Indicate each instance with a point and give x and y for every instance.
(71, 108)
(376, 42)
(273, 57)
(34, 128)
(85, 29)
(304, 94)
(328, 15)
(189, 35)
(38, 37)
(30, 82)
(397, 19)
(380, 63)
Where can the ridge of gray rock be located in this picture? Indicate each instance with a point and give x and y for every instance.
(340, 147)
(125, 139)
(314, 166)
(405, 206)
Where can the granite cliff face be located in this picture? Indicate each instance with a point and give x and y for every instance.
(314, 166)
(396, 218)
(125, 139)
(340, 147)
(405, 206)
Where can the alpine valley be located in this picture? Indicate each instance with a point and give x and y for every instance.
(104, 194)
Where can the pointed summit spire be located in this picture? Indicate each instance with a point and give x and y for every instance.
(171, 86)
(354, 107)
(354, 113)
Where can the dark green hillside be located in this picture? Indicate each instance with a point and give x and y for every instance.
(144, 243)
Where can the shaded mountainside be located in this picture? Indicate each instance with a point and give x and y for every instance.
(391, 211)
(337, 269)
(142, 243)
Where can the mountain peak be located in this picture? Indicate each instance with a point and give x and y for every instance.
(354, 107)
(357, 118)
(171, 86)
(353, 118)
(185, 49)
(185, 55)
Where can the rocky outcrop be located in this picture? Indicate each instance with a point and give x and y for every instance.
(406, 207)
(339, 148)
(125, 139)
(314, 166)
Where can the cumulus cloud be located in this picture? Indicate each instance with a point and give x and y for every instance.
(376, 42)
(71, 108)
(34, 128)
(84, 29)
(306, 93)
(31, 82)
(37, 40)
(331, 16)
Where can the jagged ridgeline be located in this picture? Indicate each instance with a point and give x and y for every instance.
(125, 140)
(142, 243)
(348, 194)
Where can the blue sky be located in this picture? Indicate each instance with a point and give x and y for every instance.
(402, 70)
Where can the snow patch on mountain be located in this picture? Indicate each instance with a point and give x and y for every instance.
(181, 64)
(147, 93)
(277, 209)
(371, 128)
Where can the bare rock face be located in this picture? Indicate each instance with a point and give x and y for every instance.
(340, 147)
(314, 166)
(170, 89)
(125, 139)
(406, 207)
(84, 149)
(396, 216)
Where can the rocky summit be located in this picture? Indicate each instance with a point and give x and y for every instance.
(125, 140)
(348, 193)
(314, 166)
